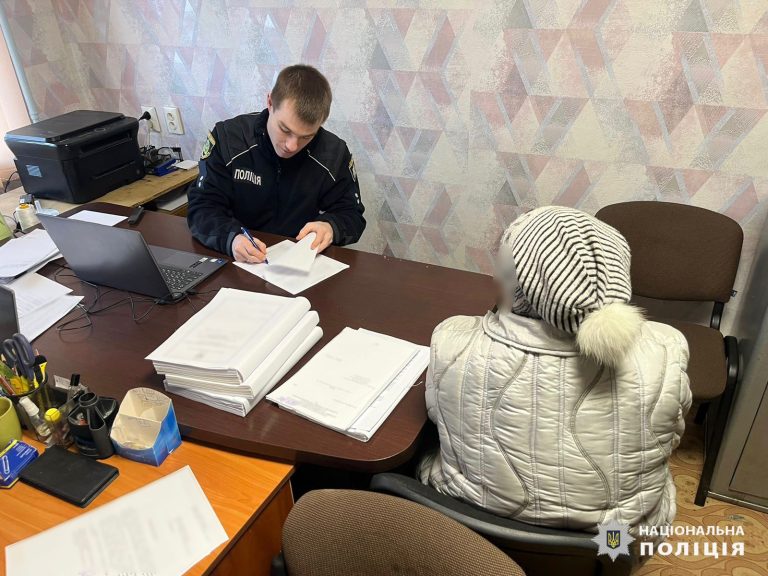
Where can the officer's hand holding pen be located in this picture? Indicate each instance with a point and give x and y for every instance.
(246, 249)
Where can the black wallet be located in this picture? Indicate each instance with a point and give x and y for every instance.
(72, 477)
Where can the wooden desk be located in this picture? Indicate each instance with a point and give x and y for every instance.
(251, 497)
(149, 188)
(143, 191)
(397, 297)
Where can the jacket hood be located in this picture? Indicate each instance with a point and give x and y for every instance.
(605, 336)
(529, 334)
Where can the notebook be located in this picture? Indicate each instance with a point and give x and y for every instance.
(75, 478)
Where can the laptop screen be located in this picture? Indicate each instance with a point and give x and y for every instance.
(9, 324)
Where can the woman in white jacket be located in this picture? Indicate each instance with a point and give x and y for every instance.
(562, 408)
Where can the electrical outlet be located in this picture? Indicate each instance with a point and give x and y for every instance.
(173, 120)
(154, 121)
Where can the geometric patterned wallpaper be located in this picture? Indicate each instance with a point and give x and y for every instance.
(460, 113)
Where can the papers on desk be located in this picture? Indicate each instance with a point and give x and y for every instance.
(165, 527)
(29, 252)
(354, 382)
(33, 291)
(260, 376)
(40, 302)
(230, 353)
(294, 266)
(299, 256)
(37, 322)
(241, 405)
(98, 217)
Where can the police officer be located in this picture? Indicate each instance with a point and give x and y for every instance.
(277, 171)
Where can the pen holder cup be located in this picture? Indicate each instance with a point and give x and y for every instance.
(90, 422)
(44, 397)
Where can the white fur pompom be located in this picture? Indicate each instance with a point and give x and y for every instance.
(607, 334)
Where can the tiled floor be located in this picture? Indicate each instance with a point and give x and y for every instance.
(686, 466)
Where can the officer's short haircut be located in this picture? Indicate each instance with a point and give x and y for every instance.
(309, 90)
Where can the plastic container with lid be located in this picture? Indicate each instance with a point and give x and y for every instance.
(43, 431)
(60, 428)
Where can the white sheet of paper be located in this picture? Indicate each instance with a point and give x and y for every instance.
(98, 217)
(21, 254)
(33, 291)
(163, 528)
(299, 257)
(289, 280)
(36, 268)
(186, 164)
(35, 323)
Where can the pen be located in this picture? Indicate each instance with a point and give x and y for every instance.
(7, 386)
(252, 241)
(74, 381)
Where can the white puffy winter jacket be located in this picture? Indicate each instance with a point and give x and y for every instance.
(531, 430)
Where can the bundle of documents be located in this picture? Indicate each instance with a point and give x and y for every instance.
(353, 383)
(28, 253)
(235, 349)
(40, 302)
(295, 266)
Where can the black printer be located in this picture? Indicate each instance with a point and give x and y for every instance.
(77, 156)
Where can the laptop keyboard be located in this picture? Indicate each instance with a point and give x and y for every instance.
(178, 279)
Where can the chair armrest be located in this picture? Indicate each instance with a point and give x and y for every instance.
(480, 521)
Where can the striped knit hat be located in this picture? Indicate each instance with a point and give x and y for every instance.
(573, 271)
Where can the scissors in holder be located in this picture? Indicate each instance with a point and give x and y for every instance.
(20, 356)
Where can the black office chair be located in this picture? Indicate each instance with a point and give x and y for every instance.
(686, 253)
(538, 551)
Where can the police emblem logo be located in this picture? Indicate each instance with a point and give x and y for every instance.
(613, 539)
(208, 145)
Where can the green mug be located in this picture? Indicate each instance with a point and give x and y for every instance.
(5, 231)
(10, 428)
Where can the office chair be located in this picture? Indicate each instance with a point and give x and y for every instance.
(685, 253)
(539, 551)
(339, 532)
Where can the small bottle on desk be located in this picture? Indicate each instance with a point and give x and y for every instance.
(42, 430)
(59, 426)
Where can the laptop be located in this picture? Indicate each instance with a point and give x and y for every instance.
(9, 322)
(120, 258)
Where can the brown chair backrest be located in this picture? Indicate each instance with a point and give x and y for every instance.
(331, 532)
(679, 252)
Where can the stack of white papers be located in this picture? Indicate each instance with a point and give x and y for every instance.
(235, 349)
(40, 303)
(241, 405)
(25, 254)
(354, 382)
(295, 266)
